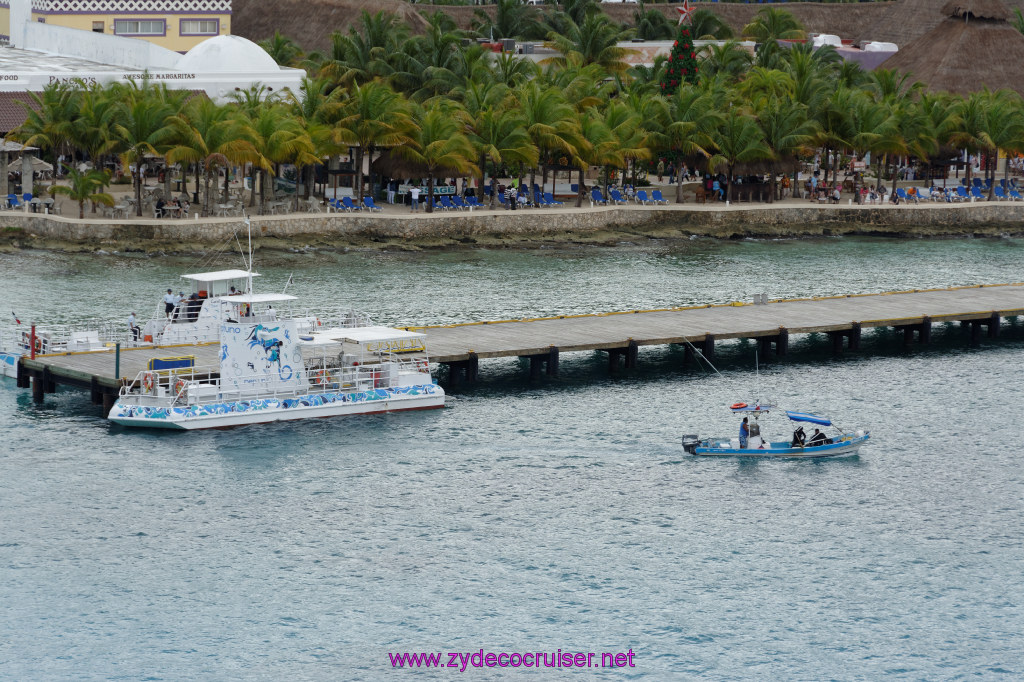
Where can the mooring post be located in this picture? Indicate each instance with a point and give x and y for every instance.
(925, 335)
(472, 367)
(552, 368)
(855, 336)
(975, 333)
(709, 346)
(687, 355)
(613, 359)
(993, 325)
(631, 354)
(49, 385)
(32, 344)
(95, 394)
(108, 402)
(837, 342)
(782, 342)
(765, 343)
(908, 334)
(23, 379)
(37, 388)
(117, 360)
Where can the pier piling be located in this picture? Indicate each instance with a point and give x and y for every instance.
(709, 346)
(632, 350)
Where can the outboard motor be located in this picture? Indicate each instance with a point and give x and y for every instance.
(690, 443)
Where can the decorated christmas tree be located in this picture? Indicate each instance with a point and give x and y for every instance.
(682, 63)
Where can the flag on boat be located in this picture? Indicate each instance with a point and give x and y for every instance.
(808, 417)
(16, 320)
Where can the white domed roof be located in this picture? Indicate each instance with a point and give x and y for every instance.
(227, 54)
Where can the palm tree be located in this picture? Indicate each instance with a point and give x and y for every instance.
(367, 52)
(283, 50)
(738, 140)
(691, 118)
(206, 134)
(772, 24)
(141, 128)
(706, 25)
(1006, 128)
(49, 122)
(550, 122)
(276, 138)
(972, 132)
(650, 24)
(438, 145)
(786, 131)
(512, 19)
(373, 116)
(595, 40)
(728, 59)
(499, 136)
(83, 187)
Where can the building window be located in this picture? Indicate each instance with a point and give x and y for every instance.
(139, 27)
(200, 27)
(98, 27)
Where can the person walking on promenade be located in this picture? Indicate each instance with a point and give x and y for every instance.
(414, 198)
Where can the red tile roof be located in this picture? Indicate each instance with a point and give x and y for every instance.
(12, 114)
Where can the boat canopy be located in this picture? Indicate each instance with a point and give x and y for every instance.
(220, 275)
(808, 417)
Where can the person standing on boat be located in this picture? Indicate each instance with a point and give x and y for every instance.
(169, 303)
(133, 327)
(754, 431)
(744, 431)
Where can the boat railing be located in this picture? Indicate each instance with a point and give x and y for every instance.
(191, 385)
(88, 335)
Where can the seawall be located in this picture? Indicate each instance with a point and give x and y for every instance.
(519, 228)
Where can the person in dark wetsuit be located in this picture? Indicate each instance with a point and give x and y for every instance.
(799, 437)
(818, 438)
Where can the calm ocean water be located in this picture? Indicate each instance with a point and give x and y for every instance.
(533, 517)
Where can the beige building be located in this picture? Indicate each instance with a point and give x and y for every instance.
(176, 25)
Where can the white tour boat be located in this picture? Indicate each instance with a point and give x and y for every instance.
(274, 371)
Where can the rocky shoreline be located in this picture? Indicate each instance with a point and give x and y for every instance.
(503, 229)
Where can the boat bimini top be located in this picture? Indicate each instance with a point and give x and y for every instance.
(808, 417)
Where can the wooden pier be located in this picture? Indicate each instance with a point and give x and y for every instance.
(620, 334)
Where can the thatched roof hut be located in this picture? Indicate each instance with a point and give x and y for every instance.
(972, 47)
(310, 22)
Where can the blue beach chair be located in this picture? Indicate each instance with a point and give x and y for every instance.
(551, 200)
(1000, 194)
(657, 198)
(472, 202)
(446, 203)
(976, 194)
(596, 198)
(347, 204)
(370, 206)
(641, 197)
(617, 197)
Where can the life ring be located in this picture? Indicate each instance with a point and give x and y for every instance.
(738, 406)
(319, 377)
(318, 322)
(39, 345)
(179, 386)
(422, 365)
(147, 381)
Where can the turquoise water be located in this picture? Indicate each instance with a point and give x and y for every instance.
(534, 517)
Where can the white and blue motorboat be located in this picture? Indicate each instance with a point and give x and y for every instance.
(818, 445)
